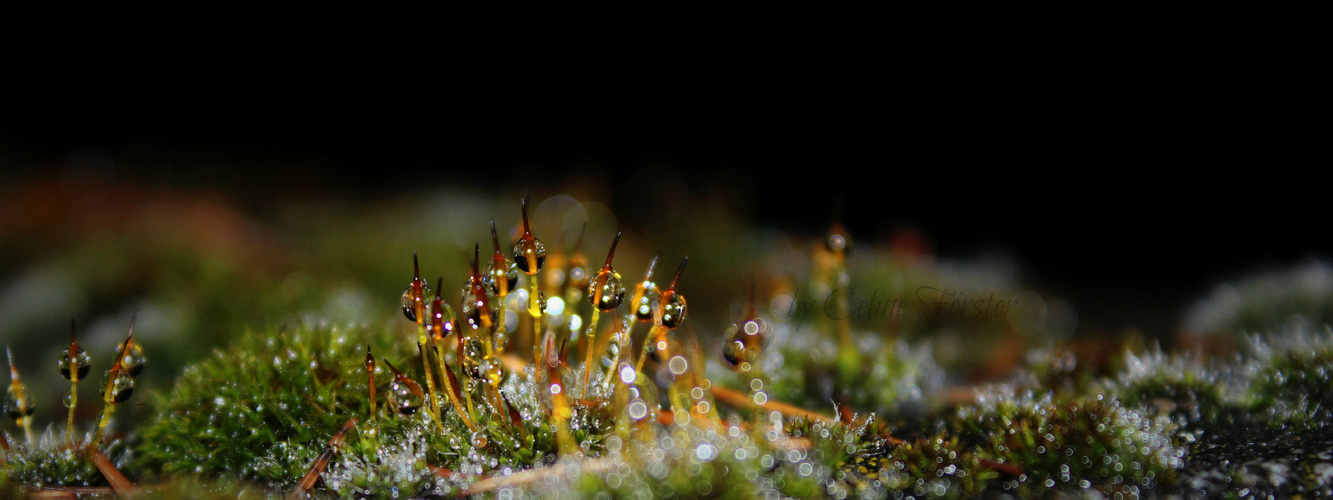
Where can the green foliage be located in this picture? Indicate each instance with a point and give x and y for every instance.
(1072, 444)
(260, 411)
(1291, 379)
(53, 463)
(1178, 385)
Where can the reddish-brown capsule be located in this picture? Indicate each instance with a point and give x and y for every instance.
(414, 298)
(670, 310)
(441, 315)
(529, 253)
(501, 273)
(475, 303)
(607, 291)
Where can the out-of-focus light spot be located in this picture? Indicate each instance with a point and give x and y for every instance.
(638, 410)
(678, 364)
(555, 305)
(751, 327)
(705, 452)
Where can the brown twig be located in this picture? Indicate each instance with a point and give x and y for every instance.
(121, 484)
(737, 399)
(530, 476)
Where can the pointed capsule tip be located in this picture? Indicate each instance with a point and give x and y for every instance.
(612, 253)
(527, 230)
(476, 259)
(133, 319)
(416, 267)
(651, 264)
(495, 237)
(679, 270)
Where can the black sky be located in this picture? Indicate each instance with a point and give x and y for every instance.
(1123, 171)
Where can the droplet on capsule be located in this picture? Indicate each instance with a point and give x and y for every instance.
(120, 389)
(479, 439)
(607, 290)
(407, 394)
(414, 298)
(132, 363)
(441, 315)
(17, 407)
(645, 295)
(473, 351)
(529, 252)
(670, 310)
(492, 370)
(541, 300)
(501, 280)
(408, 304)
(81, 359)
(501, 273)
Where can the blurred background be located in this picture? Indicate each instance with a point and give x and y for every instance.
(1151, 187)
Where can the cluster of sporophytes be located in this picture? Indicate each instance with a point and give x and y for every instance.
(92, 459)
(555, 378)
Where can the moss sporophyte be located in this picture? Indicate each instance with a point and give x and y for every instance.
(518, 396)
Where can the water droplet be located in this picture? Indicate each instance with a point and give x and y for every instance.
(507, 275)
(121, 387)
(492, 370)
(132, 362)
(607, 291)
(529, 254)
(407, 394)
(479, 439)
(81, 358)
(409, 304)
(473, 351)
(670, 310)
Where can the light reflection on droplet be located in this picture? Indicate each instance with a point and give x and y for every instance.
(555, 389)
(751, 327)
(760, 398)
(697, 393)
(627, 374)
(575, 322)
(756, 384)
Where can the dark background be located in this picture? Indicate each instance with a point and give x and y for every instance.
(1127, 172)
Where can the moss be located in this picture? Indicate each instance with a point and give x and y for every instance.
(1176, 385)
(262, 410)
(1073, 444)
(1291, 379)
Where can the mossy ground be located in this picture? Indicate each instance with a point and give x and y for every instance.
(863, 410)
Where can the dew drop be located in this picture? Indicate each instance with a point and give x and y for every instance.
(81, 358)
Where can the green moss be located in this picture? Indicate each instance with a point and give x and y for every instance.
(1073, 444)
(1171, 384)
(260, 411)
(1289, 378)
